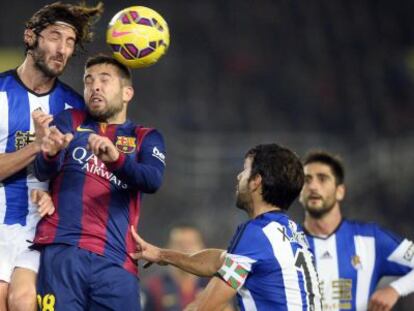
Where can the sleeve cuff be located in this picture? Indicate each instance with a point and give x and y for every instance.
(112, 166)
(48, 158)
(404, 285)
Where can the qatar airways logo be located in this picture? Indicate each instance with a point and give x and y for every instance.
(93, 165)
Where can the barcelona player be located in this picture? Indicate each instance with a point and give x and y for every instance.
(100, 163)
(268, 264)
(51, 36)
(351, 256)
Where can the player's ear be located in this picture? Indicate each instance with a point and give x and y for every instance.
(127, 93)
(340, 192)
(255, 182)
(29, 37)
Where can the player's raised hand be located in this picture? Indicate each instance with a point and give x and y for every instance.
(383, 299)
(145, 250)
(55, 141)
(41, 123)
(103, 148)
(43, 201)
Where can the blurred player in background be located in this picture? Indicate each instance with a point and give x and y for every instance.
(174, 289)
(100, 163)
(268, 264)
(351, 257)
(51, 36)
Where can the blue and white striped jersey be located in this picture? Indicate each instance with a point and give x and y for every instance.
(351, 261)
(16, 131)
(270, 265)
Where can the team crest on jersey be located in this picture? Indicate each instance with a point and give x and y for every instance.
(356, 262)
(126, 144)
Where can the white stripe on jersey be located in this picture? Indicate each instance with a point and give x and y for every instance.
(365, 248)
(326, 259)
(35, 102)
(4, 121)
(4, 130)
(247, 298)
(283, 252)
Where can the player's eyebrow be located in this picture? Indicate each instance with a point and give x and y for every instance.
(101, 74)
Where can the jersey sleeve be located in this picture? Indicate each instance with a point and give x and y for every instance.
(398, 259)
(145, 172)
(243, 253)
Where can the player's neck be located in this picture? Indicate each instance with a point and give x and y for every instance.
(325, 225)
(119, 118)
(33, 78)
(262, 207)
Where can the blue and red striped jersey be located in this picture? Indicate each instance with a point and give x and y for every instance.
(96, 203)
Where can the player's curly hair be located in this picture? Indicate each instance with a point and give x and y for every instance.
(80, 16)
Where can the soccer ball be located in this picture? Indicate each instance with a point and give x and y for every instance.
(138, 36)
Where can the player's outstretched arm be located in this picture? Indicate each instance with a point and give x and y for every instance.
(43, 201)
(203, 263)
(13, 162)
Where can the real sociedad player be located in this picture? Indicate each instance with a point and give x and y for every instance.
(99, 163)
(51, 36)
(351, 256)
(268, 264)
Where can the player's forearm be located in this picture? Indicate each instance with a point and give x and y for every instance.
(13, 162)
(146, 177)
(404, 285)
(204, 263)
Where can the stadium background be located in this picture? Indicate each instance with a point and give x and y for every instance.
(328, 74)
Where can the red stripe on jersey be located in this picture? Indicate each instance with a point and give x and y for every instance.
(96, 198)
(78, 116)
(46, 230)
(134, 211)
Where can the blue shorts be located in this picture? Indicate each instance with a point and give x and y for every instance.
(74, 279)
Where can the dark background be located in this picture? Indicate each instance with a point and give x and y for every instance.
(326, 74)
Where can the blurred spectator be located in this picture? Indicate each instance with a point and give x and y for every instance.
(174, 289)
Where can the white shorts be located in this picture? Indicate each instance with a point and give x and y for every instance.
(14, 251)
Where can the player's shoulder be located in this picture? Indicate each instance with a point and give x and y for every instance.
(67, 89)
(72, 98)
(369, 229)
(149, 136)
(6, 77)
(73, 112)
(253, 230)
(6, 74)
(72, 117)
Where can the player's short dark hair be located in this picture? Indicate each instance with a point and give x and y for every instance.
(99, 59)
(281, 172)
(80, 16)
(331, 160)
